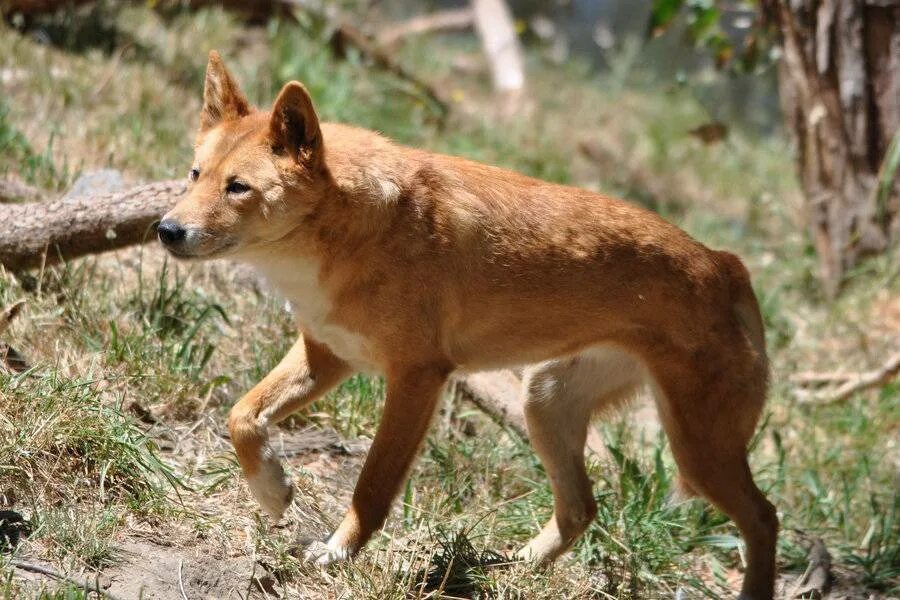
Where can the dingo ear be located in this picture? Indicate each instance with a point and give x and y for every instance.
(294, 127)
(223, 100)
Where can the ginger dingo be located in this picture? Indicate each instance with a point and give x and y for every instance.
(416, 265)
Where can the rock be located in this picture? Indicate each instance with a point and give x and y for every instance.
(101, 181)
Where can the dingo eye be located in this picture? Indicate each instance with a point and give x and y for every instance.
(237, 188)
(194, 174)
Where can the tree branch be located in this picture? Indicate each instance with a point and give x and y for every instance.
(852, 383)
(442, 20)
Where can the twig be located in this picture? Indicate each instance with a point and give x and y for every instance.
(816, 580)
(854, 383)
(86, 585)
(442, 20)
(180, 581)
(813, 378)
(112, 70)
(348, 36)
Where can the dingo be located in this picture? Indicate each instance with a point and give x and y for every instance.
(416, 265)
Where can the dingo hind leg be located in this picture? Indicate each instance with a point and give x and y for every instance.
(560, 398)
(709, 409)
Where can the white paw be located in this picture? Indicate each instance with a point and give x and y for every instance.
(543, 548)
(326, 553)
(525, 554)
(272, 489)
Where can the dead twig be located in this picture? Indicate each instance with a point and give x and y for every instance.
(442, 20)
(852, 382)
(813, 378)
(346, 36)
(180, 580)
(112, 70)
(816, 580)
(86, 585)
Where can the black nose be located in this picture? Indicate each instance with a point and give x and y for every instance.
(170, 232)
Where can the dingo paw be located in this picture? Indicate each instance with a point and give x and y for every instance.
(326, 553)
(272, 489)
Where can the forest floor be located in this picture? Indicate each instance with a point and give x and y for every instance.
(112, 443)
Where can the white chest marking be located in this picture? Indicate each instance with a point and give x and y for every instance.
(298, 280)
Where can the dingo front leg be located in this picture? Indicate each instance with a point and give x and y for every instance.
(304, 374)
(412, 395)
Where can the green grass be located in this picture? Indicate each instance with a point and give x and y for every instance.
(105, 333)
(18, 156)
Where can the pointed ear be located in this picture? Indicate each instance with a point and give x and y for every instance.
(294, 126)
(223, 100)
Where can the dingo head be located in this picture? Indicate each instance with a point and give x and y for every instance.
(255, 175)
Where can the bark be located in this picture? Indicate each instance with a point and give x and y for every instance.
(840, 91)
(40, 233)
(497, 393)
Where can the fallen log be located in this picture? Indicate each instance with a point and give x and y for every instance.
(496, 393)
(499, 395)
(42, 233)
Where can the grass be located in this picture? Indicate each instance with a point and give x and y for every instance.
(106, 334)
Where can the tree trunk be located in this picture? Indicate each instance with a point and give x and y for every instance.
(840, 90)
(495, 26)
(40, 233)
